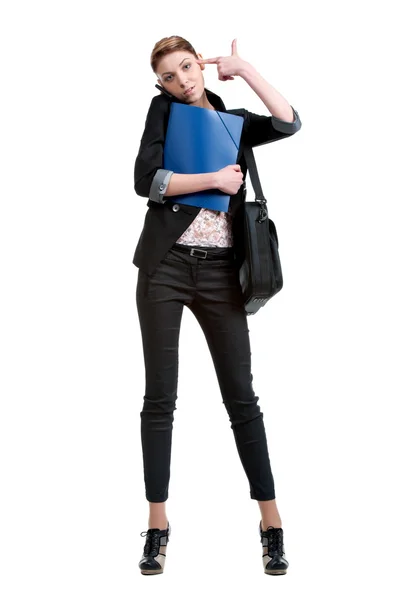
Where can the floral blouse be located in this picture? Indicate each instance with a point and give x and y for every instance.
(209, 228)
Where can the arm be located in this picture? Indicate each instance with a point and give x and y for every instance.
(273, 100)
(150, 179)
(259, 129)
(284, 120)
(187, 184)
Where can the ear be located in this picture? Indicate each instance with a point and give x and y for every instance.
(200, 56)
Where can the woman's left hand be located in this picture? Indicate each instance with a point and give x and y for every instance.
(227, 66)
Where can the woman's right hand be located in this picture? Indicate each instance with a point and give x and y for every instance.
(229, 179)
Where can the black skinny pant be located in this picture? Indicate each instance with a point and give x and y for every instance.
(211, 290)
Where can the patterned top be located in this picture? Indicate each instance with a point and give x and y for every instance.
(209, 228)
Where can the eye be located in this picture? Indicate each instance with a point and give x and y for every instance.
(186, 65)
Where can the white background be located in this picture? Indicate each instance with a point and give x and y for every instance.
(329, 352)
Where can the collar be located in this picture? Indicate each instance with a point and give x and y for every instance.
(215, 100)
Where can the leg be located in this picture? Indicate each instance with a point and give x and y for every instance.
(160, 318)
(219, 311)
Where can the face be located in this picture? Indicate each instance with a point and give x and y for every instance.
(177, 72)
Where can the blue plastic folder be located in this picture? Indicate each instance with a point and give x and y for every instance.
(201, 140)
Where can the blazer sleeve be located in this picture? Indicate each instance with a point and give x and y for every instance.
(150, 179)
(259, 129)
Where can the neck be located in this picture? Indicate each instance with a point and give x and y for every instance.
(204, 103)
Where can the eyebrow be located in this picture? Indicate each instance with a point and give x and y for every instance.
(171, 72)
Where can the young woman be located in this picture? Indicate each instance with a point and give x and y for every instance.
(190, 256)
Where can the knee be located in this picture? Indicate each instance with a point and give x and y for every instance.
(160, 404)
(242, 410)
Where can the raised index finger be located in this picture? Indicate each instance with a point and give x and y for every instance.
(207, 60)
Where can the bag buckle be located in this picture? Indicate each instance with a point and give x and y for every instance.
(263, 211)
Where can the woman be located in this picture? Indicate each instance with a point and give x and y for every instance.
(190, 256)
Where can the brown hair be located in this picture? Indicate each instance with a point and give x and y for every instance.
(166, 46)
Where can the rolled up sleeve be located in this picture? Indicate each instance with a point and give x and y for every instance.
(159, 185)
(260, 129)
(150, 179)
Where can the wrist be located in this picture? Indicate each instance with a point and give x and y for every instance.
(214, 180)
(246, 70)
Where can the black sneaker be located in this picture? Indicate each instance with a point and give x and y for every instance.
(273, 557)
(152, 561)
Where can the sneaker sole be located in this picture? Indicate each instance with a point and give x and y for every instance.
(148, 572)
(277, 572)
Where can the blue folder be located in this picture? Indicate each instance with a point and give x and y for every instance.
(201, 140)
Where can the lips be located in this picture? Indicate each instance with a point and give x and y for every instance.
(188, 92)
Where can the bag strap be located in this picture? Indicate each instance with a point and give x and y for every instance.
(253, 172)
(256, 183)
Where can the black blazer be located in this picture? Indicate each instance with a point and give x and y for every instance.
(165, 222)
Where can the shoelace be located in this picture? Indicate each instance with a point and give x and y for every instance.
(152, 545)
(275, 540)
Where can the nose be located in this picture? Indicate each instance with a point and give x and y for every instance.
(184, 86)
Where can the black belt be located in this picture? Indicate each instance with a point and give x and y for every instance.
(213, 254)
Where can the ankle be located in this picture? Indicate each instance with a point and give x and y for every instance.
(275, 524)
(158, 523)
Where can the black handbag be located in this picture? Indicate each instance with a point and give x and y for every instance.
(260, 274)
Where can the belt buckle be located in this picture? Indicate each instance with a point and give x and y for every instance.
(193, 250)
